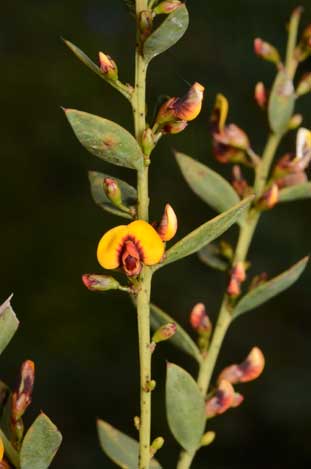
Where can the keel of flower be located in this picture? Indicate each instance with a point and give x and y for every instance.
(130, 247)
(250, 369)
(221, 401)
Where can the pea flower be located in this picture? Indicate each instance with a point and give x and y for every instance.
(229, 141)
(129, 247)
(221, 401)
(183, 110)
(290, 170)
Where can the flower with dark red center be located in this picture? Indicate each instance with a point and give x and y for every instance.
(129, 247)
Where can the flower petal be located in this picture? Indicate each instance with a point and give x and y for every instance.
(148, 240)
(108, 250)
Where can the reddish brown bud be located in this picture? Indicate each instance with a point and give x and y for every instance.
(112, 190)
(266, 51)
(250, 369)
(165, 332)
(234, 287)
(199, 319)
(260, 95)
(100, 282)
(221, 401)
(167, 7)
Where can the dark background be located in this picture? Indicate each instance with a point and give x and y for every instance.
(84, 344)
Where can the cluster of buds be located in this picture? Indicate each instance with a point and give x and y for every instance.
(239, 182)
(167, 7)
(222, 399)
(250, 369)
(230, 142)
(21, 399)
(202, 324)
(266, 51)
(174, 115)
(290, 170)
(237, 277)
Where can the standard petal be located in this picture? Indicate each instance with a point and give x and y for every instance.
(110, 245)
(148, 240)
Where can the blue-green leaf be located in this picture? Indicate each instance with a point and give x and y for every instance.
(8, 323)
(281, 102)
(299, 191)
(185, 407)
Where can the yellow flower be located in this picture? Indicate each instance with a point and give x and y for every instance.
(130, 246)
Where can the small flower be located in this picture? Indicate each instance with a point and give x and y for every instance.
(266, 51)
(167, 7)
(221, 401)
(168, 225)
(129, 247)
(184, 109)
(229, 141)
(260, 95)
(108, 66)
(250, 369)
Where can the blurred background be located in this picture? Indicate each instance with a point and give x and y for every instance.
(84, 344)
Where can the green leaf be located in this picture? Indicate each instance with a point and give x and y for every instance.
(181, 339)
(167, 34)
(8, 323)
(269, 289)
(40, 444)
(129, 194)
(212, 188)
(205, 234)
(120, 448)
(210, 256)
(185, 407)
(84, 59)
(105, 139)
(281, 103)
(300, 191)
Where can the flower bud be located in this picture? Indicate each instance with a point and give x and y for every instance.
(295, 121)
(269, 199)
(168, 225)
(112, 191)
(261, 95)
(150, 385)
(100, 282)
(237, 277)
(108, 66)
(239, 272)
(304, 85)
(238, 182)
(137, 422)
(145, 24)
(156, 445)
(164, 332)
(167, 7)
(22, 398)
(147, 142)
(199, 320)
(303, 144)
(248, 370)
(266, 51)
(234, 288)
(221, 401)
(207, 438)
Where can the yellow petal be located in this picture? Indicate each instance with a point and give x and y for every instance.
(1, 449)
(148, 240)
(110, 245)
(221, 108)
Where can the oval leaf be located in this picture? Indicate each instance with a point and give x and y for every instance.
(8, 323)
(210, 256)
(281, 102)
(181, 339)
(207, 184)
(269, 289)
(40, 444)
(205, 234)
(105, 139)
(167, 34)
(129, 194)
(185, 407)
(300, 191)
(120, 448)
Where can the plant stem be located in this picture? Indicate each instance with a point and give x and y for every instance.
(291, 61)
(9, 450)
(143, 296)
(225, 317)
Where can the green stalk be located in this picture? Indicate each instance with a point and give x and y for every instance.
(10, 451)
(143, 296)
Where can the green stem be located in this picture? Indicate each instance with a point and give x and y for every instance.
(143, 296)
(225, 317)
(291, 61)
(9, 450)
